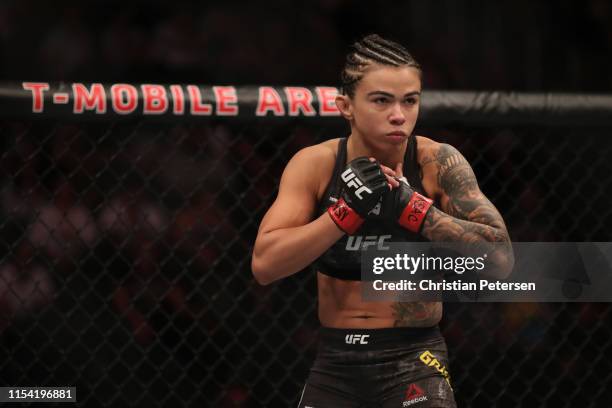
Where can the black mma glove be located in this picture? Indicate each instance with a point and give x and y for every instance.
(406, 206)
(363, 184)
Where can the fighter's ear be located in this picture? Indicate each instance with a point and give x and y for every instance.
(345, 106)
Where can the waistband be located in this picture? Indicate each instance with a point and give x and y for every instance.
(372, 339)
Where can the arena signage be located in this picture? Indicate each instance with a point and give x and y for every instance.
(192, 100)
(171, 102)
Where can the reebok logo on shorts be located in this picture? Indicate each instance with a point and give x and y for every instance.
(414, 395)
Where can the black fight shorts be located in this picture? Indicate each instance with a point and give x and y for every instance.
(379, 368)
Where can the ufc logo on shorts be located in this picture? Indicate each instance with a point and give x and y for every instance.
(359, 242)
(351, 180)
(356, 338)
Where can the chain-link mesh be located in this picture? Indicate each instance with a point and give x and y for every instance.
(126, 265)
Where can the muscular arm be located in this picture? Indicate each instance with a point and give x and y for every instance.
(467, 215)
(289, 238)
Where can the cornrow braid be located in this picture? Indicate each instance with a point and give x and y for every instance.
(372, 49)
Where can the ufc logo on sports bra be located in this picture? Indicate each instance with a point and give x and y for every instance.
(351, 180)
(356, 338)
(358, 242)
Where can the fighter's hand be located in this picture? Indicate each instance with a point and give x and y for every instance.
(363, 183)
(392, 176)
(405, 205)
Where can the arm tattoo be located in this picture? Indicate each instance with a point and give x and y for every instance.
(467, 216)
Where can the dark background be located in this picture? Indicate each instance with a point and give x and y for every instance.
(126, 246)
(512, 45)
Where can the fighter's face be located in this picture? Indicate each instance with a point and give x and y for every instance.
(385, 106)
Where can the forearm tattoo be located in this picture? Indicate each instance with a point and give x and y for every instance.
(467, 215)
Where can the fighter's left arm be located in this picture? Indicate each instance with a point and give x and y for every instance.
(466, 214)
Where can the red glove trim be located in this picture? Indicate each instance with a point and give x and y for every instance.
(345, 217)
(414, 213)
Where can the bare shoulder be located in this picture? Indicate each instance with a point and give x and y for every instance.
(441, 164)
(321, 154)
(427, 150)
(298, 192)
(313, 165)
(435, 156)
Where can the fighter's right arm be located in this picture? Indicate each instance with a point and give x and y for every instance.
(290, 237)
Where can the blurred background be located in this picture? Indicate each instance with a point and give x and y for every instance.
(511, 45)
(125, 246)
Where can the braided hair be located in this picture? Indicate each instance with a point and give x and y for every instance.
(372, 49)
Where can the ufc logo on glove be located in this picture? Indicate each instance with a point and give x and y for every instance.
(353, 181)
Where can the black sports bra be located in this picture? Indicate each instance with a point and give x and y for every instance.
(343, 259)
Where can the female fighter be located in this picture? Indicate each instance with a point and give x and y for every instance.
(380, 181)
